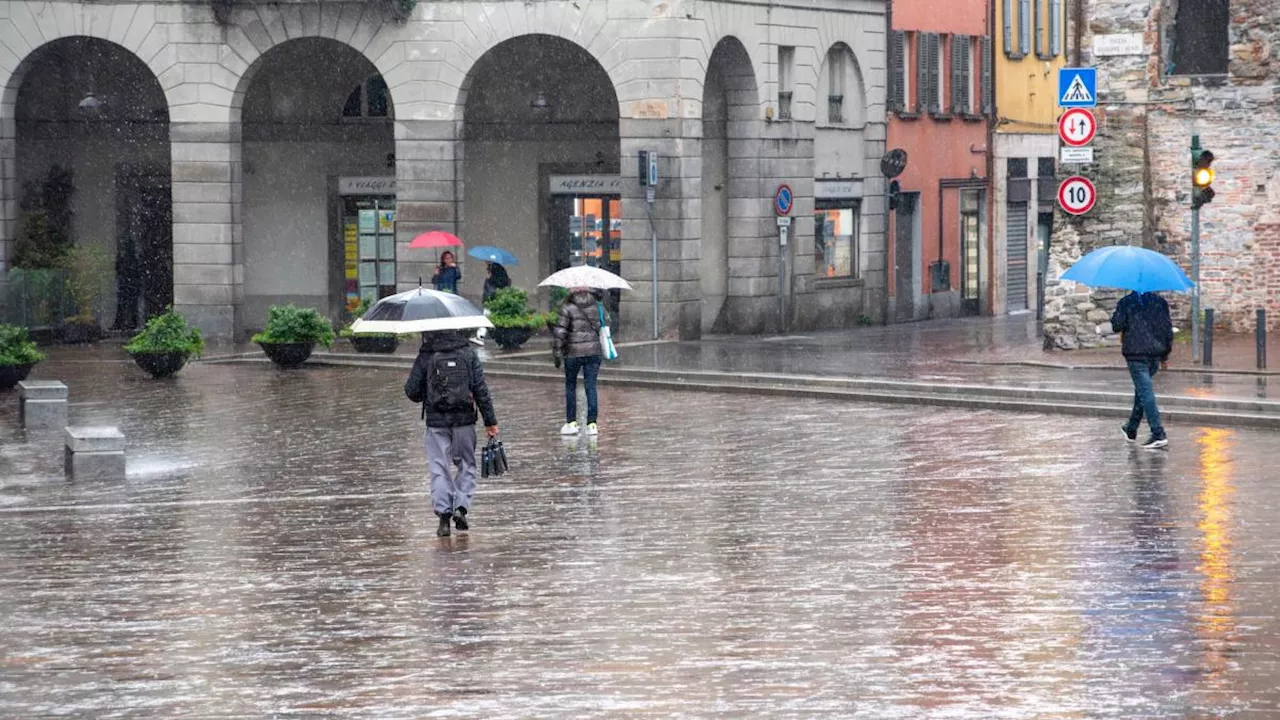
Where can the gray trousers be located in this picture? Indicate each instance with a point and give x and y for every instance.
(445, 447)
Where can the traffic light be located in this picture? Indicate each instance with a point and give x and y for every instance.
(1202, 174)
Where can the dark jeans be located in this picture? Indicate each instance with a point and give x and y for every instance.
(1144, 396)
(590, 367)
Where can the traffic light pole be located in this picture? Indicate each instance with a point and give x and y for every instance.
(1195, 291)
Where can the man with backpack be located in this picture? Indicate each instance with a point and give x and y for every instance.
(448, 379)
(1147, 338)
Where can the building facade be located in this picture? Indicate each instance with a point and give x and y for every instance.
(940, 101)
(1169, 70)
(231, 156)
(1031, 46)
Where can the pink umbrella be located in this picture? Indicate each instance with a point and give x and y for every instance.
(436, 238)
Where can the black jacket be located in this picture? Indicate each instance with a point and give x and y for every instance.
(1147, 329)
(414, 387)
(577, 330)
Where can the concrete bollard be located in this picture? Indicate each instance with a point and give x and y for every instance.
(42, 404)
(95, 453)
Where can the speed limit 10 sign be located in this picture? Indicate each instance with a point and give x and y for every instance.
(1077, 195)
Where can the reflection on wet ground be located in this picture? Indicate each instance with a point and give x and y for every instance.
(272, 552)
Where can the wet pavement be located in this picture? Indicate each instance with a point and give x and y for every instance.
(272, 552)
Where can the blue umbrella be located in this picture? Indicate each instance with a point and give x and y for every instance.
(493, 254)
(1129, 268)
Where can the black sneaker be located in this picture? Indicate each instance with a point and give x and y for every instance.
(1130, 435)
(1155, 442)
(460, 519)
(444, 530)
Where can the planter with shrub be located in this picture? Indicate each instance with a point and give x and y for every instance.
(291, 334)
(17, 355)
(514, 322)
(383, 343)
(88, 271)
(165, 345)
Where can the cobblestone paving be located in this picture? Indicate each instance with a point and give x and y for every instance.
(272, 553)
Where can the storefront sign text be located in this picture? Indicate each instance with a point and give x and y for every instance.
(586, 184)
(366, 186)
(833, 189)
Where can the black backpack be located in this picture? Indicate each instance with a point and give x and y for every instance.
(448, 381)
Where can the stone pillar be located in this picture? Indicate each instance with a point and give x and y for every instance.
(8, 190)
(208, 270)
(428, 193)
(677, 217)
(94, 453)
(786, 159)
(42, 404)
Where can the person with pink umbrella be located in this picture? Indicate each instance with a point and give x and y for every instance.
(447, 274)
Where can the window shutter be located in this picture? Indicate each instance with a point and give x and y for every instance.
(935, 73)
(1024, 27)
(1055, 28)
(922, 72)
(957, 82)
(1007, 8)
(966, 75)
(1041, 48)
(988, 94)
(897, 93)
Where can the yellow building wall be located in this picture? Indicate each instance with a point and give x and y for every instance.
(1027, 88)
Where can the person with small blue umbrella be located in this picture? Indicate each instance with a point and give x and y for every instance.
(1141, 318)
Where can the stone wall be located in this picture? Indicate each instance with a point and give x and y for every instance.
(1146, 120)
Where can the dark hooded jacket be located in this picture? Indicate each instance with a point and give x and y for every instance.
(415, 387)
(497, 280)
(1148, 330)
(577, 330)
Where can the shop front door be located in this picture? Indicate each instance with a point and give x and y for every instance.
(586, 230)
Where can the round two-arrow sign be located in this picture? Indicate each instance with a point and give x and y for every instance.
(1077, 127)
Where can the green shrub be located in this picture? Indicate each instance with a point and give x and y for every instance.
(292, 324)
(16, 348)
(88, 272)
(167, 333)
(509, 308)
(558, 296)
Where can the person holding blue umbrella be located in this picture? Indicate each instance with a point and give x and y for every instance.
(1141, 318)
(495, 258)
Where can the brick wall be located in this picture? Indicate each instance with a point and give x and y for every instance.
(1146, 119)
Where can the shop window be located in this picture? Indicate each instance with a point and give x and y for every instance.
(835, 224)
(971, 243)
(786, 88)
(897, 71)
(1200, 40)
(370, 99)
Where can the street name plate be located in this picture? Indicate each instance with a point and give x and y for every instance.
(1075, 156)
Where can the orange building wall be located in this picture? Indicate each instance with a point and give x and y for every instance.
(936, 150)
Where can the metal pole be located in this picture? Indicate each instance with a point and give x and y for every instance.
(1261, 335)
(653, 232)
(1208, 337)
(1195, 278)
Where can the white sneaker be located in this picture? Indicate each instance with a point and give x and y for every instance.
(592, 429)
(570, 428)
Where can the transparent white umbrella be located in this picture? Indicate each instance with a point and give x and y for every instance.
(587, 277)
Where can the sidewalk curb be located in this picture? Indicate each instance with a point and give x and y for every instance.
(1232, 412)
(1116, 368)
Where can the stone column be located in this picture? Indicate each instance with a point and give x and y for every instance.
(208, 271)
(677, 217)
(428, 193)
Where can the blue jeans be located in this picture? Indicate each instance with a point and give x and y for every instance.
(1144, 396)
(590, 367)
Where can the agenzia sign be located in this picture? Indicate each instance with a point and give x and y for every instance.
(1077, 195)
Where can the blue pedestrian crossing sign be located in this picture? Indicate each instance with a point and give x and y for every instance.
(1078, 87)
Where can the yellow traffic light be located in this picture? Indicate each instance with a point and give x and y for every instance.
(1203, 177)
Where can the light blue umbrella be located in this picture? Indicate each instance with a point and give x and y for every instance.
(493, 254)
(1129, 268)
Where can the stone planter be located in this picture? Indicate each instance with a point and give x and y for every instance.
(11, 375)
(375, 343)
(287, 355)
(511, 338)
(162, 364)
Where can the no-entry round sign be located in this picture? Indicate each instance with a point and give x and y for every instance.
(1077, 127)
(1077, 195)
